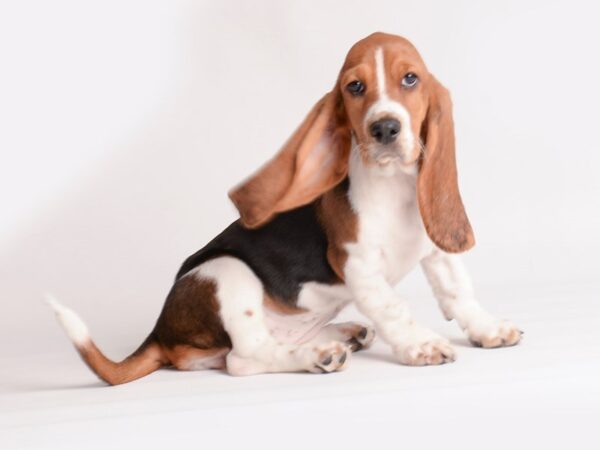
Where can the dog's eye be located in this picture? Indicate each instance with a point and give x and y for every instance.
(409, 80)
(356, 88)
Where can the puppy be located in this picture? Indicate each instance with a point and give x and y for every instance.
(363, 191)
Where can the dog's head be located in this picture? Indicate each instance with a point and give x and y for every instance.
(399, 117)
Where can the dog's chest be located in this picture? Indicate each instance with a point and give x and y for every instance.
(389, 221)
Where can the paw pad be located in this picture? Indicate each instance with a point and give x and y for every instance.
(331, 358)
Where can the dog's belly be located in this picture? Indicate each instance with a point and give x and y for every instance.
(322, 303)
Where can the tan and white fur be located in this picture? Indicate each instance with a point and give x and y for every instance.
(400, 208)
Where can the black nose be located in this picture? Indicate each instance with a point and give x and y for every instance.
(385, 130)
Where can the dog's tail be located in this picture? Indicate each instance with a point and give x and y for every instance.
(146, 359)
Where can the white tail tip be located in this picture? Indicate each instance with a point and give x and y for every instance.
(75, 328)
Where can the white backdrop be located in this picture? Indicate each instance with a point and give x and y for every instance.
(124, 123)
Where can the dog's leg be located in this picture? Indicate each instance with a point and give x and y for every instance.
(240, 296)
(412, 343)
(355, 335)
(453, 289)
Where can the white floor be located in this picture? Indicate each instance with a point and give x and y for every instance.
(543, 392)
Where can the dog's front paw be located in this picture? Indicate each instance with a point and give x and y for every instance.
(427, 353)
(330, 357)
(494, 333)
(422, 347)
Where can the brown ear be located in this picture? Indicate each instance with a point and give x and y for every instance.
(314, 159)
(441, 207)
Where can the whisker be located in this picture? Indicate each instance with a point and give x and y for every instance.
(362, 151)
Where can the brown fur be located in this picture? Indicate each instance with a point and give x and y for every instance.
(191, 316)
(340, 224)
(143, 361)
(313, 160)
(440, 203)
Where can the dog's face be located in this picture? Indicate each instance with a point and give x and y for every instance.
(398, 115)
(383, 84)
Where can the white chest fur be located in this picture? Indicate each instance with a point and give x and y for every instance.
(390, 230)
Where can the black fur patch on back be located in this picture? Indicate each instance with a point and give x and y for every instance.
(286, 252)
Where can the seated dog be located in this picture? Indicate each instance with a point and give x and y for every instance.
(363, 191)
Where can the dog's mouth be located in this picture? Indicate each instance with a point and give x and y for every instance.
(384, 156)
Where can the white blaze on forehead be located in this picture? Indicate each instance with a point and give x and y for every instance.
(380, 71)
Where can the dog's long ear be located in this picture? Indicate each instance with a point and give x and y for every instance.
(313, 160)
(440, 204)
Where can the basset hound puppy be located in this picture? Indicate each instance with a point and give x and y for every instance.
(362, 192)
